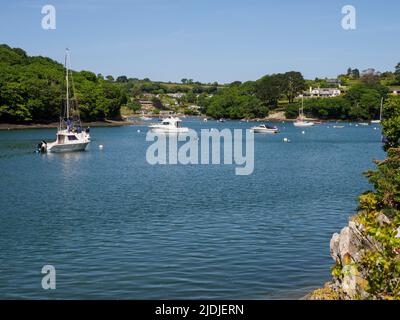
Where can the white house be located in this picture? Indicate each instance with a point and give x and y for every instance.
(324, 92)
(395, 91)
(177, 95)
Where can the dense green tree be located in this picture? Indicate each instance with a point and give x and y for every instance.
(134, 106)
(397, 73)
(391, 114)
(235, 83)
(122, 79)
(270, 88)
(157, 103)
(110, 78)
(32, 89)
(365, 100)
(321, 108)
(355, 74)
(293, 84)
(234, 104)
(190, 97)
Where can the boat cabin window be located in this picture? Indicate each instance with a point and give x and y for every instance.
(61, 138)
(72, 138)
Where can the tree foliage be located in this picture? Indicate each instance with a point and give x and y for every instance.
(32, 89)
(381, 263)
(235, 103)
(361, 102)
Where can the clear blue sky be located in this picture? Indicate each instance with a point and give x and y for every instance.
(208, 40)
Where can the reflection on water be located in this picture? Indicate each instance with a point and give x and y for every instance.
(116, 227)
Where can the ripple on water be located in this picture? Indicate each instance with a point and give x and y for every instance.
(117, 227)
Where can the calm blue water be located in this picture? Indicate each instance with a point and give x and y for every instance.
(116, 227)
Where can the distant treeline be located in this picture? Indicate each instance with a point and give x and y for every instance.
(360, 102)
(135, 87)
(254, 99)
(31, 90)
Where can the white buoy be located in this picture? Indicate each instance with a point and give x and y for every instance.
(138, 131)
(101, 147)
(303, 132)
(285, 140)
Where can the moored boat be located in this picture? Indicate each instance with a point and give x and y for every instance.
(144, 118)
(70, 134)
(169, 125)
(301, 122)
(380, 114)
(263, 128)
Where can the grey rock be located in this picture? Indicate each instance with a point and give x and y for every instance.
(334, 246)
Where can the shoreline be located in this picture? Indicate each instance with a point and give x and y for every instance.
(94, 124)
(120, 123)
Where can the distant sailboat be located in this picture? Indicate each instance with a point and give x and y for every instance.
(300, 122)
(70, 135)
(380, 114)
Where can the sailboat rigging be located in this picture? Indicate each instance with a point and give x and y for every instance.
(300, 122)
(70, 134)
(380, 113)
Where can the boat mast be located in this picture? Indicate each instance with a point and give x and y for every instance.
(380, 114)
(66, 77)
(301, 115)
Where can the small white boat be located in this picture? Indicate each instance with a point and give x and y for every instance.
(169, 125)
(144, 118)
(363, 124)
(338, 127)
(68, 141)
(380, 114)
(70, 135)
(205, 120)
(265, 129)
(300, 122)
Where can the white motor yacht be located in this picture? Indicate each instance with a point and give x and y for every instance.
(263, 128)
(69, 141)
(169, 125)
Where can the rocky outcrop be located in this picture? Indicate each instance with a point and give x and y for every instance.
(346, 249)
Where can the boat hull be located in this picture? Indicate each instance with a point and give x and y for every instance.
(267, 131)
(303, 124)
(169, 130)
(70, 147)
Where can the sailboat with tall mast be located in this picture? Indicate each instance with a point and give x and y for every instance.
(70, 134)
(380, 114)
(300, 122)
